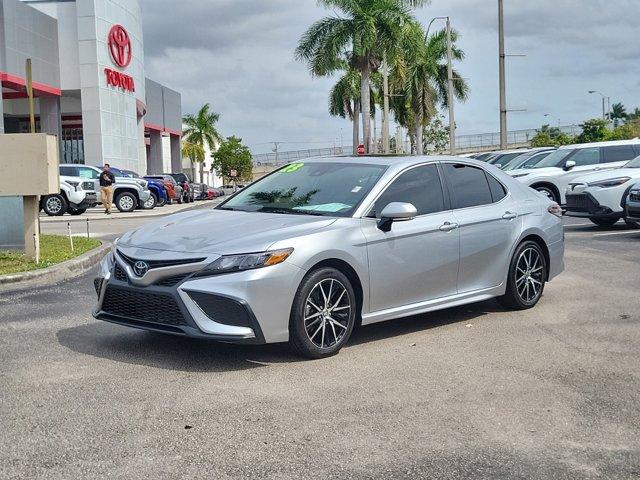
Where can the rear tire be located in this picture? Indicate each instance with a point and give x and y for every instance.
(631, 223)
(76, 211)
(527, 277)
(604, 222)
(323, 314)
(55, 205)
(126, 202)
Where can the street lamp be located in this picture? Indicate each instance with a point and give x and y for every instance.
(452, 120)
(604, 114)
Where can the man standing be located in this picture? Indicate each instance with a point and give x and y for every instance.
(107, 179)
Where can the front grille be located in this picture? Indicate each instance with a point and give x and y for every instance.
(581, 202)
(161, 263)
(171, 281)
(119, 274)
(140, 305)
(222, 309)
(88, 186)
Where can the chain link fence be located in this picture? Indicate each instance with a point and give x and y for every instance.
(464, 143)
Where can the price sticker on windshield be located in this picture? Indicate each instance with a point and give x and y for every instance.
(294, 167)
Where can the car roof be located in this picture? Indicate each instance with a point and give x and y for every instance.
(613, 143)
(392, 161)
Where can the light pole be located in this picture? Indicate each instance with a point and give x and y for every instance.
(450, 96)
(604, 97)
(501, 73)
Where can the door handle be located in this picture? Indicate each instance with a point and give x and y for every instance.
(448, 226)
(509, 215)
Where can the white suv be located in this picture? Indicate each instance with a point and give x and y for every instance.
(602, 196)
(552, 175)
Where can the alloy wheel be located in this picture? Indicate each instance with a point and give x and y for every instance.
(126, 202)
(54, 205)
(327, 311)
(529, 275)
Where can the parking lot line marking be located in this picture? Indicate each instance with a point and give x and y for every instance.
(617, 233)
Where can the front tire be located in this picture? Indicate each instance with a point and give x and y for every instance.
(323, 314)
(548, 192)
(527, 277)
(151, 203)
(162, 201)
(55, 205)
(126, 202)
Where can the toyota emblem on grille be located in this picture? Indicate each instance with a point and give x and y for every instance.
(140, 268)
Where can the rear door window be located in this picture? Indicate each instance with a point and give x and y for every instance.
(619, 153)
(469, 185)
(498, 192)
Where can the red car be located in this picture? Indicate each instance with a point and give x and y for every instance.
(212, 193)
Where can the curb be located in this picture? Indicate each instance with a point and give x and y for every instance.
(46, 219)
(56, 273)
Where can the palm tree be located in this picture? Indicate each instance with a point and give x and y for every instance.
(365, 31)
(200, 129)
(344, 100)
(195, 153)
(422, 80)
(635, 115)
(618, 112)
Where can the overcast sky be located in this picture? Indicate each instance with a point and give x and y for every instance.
(238, 56)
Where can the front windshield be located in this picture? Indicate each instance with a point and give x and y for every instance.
(506, 158)
(332, 189)
(635, 163)
(554, 159)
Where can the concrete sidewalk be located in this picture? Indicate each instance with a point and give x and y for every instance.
(97, 213)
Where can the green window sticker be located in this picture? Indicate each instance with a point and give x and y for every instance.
(294, 167)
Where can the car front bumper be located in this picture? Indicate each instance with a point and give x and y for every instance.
(244, 307)
(88, 201)
(586, 205)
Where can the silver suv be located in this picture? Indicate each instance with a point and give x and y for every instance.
(128, 193)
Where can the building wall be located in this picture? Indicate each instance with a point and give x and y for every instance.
(109, 114)
(29, 33)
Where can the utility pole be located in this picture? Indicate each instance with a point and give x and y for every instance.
(452, 120)
(276, 150)
(503, 93)
(385, 107)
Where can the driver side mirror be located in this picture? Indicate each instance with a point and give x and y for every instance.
(569, 165)
(396, 212)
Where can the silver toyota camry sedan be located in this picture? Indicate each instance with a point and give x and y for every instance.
(317, 247)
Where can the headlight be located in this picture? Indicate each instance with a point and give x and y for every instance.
(520, 175)
(75, 185)
(614, 182)
(246, 261)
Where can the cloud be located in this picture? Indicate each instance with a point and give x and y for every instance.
(238, 55)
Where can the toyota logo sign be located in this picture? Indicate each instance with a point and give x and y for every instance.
(140, 268)
(120, 46)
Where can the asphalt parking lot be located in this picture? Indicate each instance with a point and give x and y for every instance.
(474, 392)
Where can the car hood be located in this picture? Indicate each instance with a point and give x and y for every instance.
(221, 231)
(536, 172)
(633, 173)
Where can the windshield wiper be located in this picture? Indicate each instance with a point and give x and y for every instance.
(289, 211)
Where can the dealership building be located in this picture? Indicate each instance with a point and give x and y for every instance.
(89, 84)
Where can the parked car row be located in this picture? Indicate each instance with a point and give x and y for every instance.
(591, 180)
(80, 190)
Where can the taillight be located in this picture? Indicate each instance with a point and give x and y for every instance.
(554, 209)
